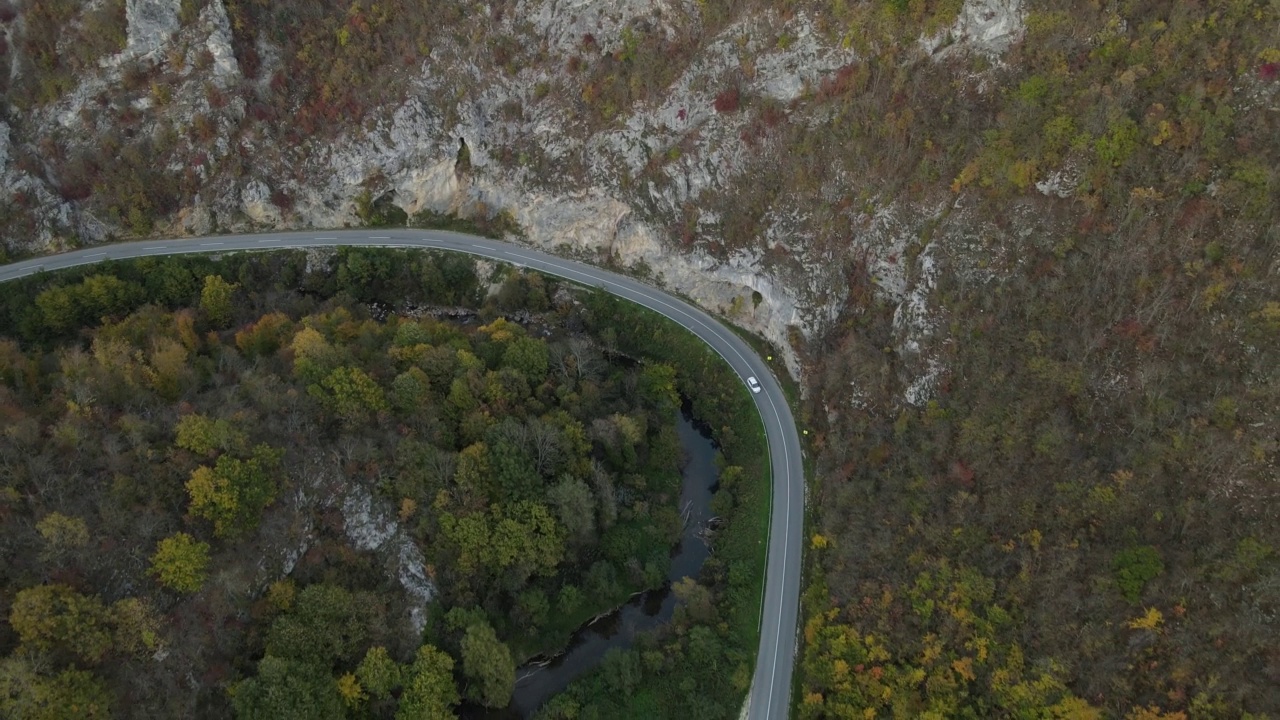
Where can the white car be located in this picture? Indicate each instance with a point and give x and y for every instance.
(753, 384)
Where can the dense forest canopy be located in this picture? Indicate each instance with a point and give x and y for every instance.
(1079, 519)
(246, 487)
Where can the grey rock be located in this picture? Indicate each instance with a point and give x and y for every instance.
(151, 23)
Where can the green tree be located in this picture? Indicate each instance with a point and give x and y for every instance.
(18, 681)
(528, 536)
(169, 369)
(281, 594)
(137, 626)
(378, 673)
(288, 690)
(62, 535)
(410, 391)
(365, 272)
(216, 300)
(69, 695)
(429, 693)
(47, 617)
(97, 296)
(1134, 568)
(353, 695)
(411, 333)
(107, 295)
(531, 610)
(575, 507)
(657, 386)
(72, 695)
(470, 535)
(1120, 141)
(505, 389)
(621, 671)
(351, 394)
(602, 580)
(59, 308)
(265, 336)
(460, 400)
(449, 279)
(520, 538)
(181, 562)
(474, 470)
(169, 281)
(569, 600)
(203, 435)
(233, 493)
(705, 649)
(513, 473)
(561, 707)
(326, 624)
(487, 663)
(528, 356)
(513, 294)
(440, 363)
(313, 356)
(696, 603)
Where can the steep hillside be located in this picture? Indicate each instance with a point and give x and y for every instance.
(1021, 256)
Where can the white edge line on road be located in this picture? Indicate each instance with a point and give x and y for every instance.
(209, 244)
(157, 247)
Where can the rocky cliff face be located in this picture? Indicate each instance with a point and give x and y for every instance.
(647, 184)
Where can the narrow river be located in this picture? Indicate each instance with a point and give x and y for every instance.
(649, 610)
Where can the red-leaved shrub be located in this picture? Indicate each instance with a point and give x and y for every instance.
(728, 101)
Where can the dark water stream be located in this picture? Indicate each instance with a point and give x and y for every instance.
(646, 611)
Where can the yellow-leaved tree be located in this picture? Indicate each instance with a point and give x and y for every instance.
(181, 562)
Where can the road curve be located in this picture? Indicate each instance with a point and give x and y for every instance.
(771, 686)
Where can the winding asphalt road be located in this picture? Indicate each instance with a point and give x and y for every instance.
(771, 686)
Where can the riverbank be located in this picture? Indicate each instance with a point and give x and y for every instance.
(700, 663)
(542, 677)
